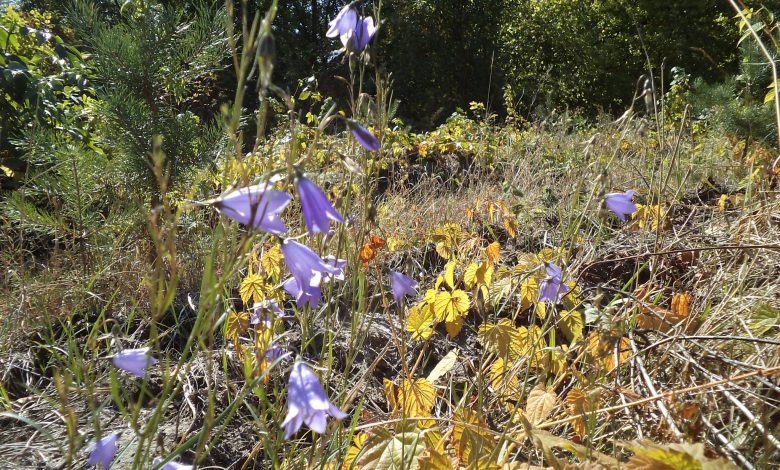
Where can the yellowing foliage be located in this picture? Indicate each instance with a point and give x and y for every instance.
(447, 237)
(432, 459)
(237, 324)
(386, 450)
(253, 289)
(479, 277)
(572, 324)
(471, 437)
(421, 321)
(272, 262)
(449, 306)
(541, 402)
(502, 338)
(577, 403)
(651, 456)
(353, 451)
(503, 379)
(416, 397)
(604, 348)
(493, 252)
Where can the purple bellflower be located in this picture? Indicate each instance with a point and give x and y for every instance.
(263, 312)
(343, 23)
(274, 352)
(313, 295)
(363, 136)
(308, 271)
(402, 286)
(621, 204)
(134, 361)
(354, 31)
(310, 296)
(317, 210)
(256, 205)
(338, 264)
(103, 452)
(307, 402)
(172, 465)
(552, 288)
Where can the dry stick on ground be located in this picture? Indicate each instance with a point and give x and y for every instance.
(649, 384)
(679, 250)
(740, 406)
(666, 395)
(727, 444)
(717, 356)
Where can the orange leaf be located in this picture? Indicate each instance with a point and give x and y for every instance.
(367, 254)
(681, 304)
(376, 242)
(577, 404)
(493, 252)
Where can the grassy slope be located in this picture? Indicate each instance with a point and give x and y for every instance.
(61, 320)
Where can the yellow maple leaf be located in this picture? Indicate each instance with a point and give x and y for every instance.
(447, 237)
(572, 324)
(554, 360)
(502, 338)
(253, 288)
(432, 459)
(237, 324)
(448, 278)
(448, 306)
(577, 403)
(479, 277)
(420, 321)
(272, 261)
(541, 402)
(454, 326)
(354, 450)
(503, 379)
(471, 437)
(416, 397)
(510, 225)
(603, 347)
(529, 292)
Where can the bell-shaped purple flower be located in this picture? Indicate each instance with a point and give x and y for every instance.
(307, 402)
(338, 265)
(354, 31)
(317, 210)
(364, 32)
(263, 312)
(274, 352)
(310, 296)
(402, 286)
(308, 270)
(621, 204)
(172, 465)
(134, 361)
(103, 452)
(363, 136)
(343, 23)
(552, 288)
(256, 205)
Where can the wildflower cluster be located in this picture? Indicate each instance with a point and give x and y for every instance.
(259, 206)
